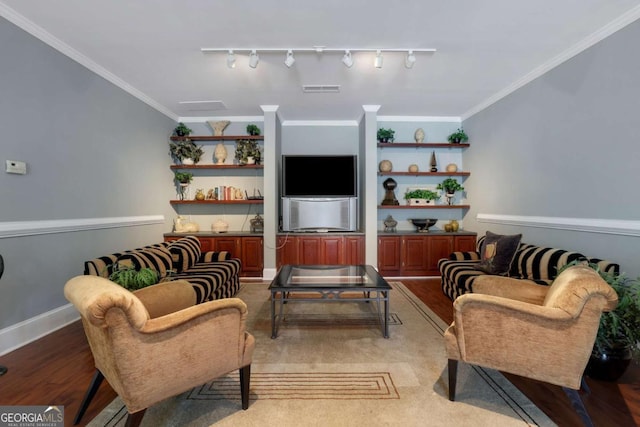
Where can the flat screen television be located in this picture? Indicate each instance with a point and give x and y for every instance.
(319, 176)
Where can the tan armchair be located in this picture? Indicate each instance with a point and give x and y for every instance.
(156, 342)
(541, 332)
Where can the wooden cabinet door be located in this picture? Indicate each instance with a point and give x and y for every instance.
(309, 250)
(415, 255)
(252, 256)
(331, 250)
(464, 243)
(229, 244)
(287, 252)
(354, 250)
(439, 247)
(206, 244)
(389, 255)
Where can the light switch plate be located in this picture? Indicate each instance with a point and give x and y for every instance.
(15, 166)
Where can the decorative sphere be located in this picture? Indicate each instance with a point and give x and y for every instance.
(413, 168)
(452, 167)
(385, 166)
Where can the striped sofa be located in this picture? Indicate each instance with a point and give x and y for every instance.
(531, 262)
(213, 275)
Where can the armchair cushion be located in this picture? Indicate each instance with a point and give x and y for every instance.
(167, 297)
(497, 253)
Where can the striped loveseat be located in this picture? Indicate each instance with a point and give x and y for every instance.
(213, 275)
(536, 263)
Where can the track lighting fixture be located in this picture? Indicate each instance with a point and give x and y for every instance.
(411, 59)
(346, 59)
(289, 61)
(254, 59)
(378, 61)
(231, 59)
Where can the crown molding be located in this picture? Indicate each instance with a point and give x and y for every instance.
(604, 32)
(453, 119)
(589, 225)
(10, 229)
(292, 123)
(48, 38)
(202, 119)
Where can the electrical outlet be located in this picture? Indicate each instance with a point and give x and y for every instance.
(15, 166)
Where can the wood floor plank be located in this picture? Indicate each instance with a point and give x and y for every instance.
(58, 368)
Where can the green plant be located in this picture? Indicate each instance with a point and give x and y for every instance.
(458, 136)
(246, 148)
(450, 185)
(253, 129)
(421, 194)
(132, 279)
(620, 327)
(182, 130)
(183, 177)
(185, 149)
(385, 135)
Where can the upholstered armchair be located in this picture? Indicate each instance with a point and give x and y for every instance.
(157, 342)
(541, 332)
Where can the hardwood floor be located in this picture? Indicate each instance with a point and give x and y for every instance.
(56, 370)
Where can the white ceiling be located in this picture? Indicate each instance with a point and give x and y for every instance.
(485, 49)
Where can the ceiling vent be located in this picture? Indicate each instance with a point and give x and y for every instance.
(321, 88)
(203, 105)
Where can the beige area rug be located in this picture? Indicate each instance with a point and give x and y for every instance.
(330, 366)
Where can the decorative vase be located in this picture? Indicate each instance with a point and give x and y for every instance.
(454, 225)
(200, 194)
(219, 127)
(220, 153)
(419, 135)
(610, 365)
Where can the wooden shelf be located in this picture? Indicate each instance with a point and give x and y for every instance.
(214, 166)
(424, 207)
(218, 138)
(421, 145)
(424, 173)
(217, 202)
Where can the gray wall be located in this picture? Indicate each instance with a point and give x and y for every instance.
(565, 145)
(92, 150)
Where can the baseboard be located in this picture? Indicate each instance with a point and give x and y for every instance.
(23, 333)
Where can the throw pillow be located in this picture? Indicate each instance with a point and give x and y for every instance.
(185, 253)
(497, 253)
(156, 259)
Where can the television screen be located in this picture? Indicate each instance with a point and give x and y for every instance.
(319, 176)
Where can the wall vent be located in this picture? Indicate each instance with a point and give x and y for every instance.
(321, 88)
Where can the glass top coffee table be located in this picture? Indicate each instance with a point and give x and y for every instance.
(329, 283)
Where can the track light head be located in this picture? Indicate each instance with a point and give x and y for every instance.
(253, 59)
(378, 61)
(231, 59)
(411, 59)
(346, 59)
(289, 60)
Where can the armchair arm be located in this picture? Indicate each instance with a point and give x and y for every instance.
(465, 256)
(507, 287)
(213, 256)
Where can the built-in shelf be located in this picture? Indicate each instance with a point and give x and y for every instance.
(421, 145)
(214, 166)
(424, 207)
(219, 138)
(218, 202)
(424, 173)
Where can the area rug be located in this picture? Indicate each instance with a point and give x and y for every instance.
(331, 366)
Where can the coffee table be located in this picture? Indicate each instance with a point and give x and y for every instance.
(329, 282)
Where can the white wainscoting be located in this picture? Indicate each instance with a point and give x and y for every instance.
(34, 228)
(20, 334)
(588, 225)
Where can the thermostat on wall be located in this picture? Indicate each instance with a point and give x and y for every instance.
(15, 166)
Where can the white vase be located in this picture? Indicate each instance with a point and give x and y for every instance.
(220, 153)
(251, 160)
(419, 135)
(187, 161)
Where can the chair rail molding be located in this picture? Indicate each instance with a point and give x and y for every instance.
(34, 228)
(589, 225)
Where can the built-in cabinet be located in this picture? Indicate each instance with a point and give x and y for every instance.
(417, 254)
(326, 249)
(247, 247)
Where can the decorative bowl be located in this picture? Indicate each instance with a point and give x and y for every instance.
(423, 224)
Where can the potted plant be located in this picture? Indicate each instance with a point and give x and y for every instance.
(253, 130)
(132, 279)
(450, 186)
(385, 135)
(458, 136)
(247, 152)
(185, 151)
(420, 196)
(183, 177)
(618, 339)
(182, 130)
